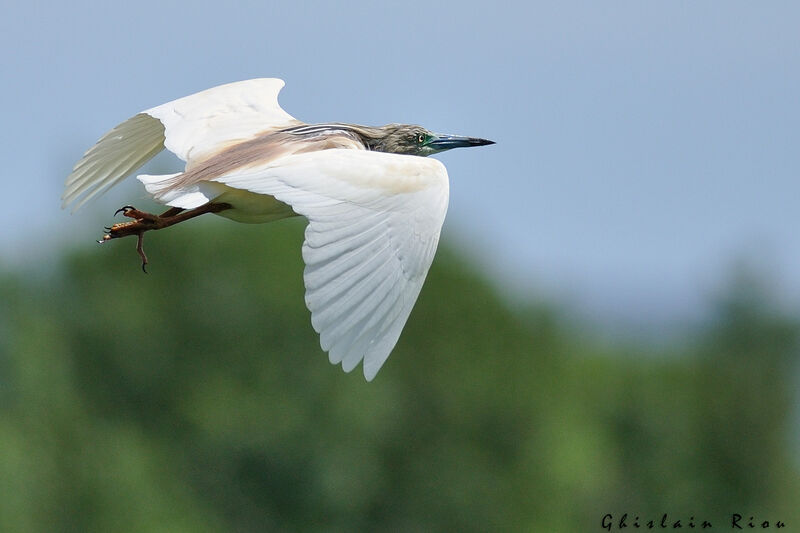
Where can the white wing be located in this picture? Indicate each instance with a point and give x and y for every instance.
(374, 223)
(207, 121)
(191, 127)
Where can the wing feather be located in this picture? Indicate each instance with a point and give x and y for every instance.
(358, 285)
(353, 319)
(382, 325)
(118, 153)
(330, 280)
(374, 224)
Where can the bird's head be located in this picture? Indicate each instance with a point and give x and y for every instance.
(416, 140)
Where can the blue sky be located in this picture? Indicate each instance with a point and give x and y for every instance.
(642, 147)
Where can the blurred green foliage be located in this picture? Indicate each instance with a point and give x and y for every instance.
(196, 398)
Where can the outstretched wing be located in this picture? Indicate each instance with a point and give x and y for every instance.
(191, 127)
(374, 223)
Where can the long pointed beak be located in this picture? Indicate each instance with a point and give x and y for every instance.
(446, 142)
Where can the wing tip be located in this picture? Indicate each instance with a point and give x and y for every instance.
(369, 375)
(339, 359)
(113, 157)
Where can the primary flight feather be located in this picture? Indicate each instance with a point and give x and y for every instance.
(374, 204)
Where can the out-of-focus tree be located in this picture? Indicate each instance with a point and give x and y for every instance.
(196, 398)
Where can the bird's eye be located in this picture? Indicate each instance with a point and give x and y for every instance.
(420, 138)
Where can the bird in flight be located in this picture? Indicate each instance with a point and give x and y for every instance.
(375, 205)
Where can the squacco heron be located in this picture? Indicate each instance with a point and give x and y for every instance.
(375, 208)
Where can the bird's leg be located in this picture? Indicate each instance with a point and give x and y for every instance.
(143, 222)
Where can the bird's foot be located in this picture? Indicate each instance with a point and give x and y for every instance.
(141, 223)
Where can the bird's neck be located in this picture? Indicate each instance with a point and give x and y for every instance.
(371, 138)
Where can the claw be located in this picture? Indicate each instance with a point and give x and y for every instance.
(122, 209)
